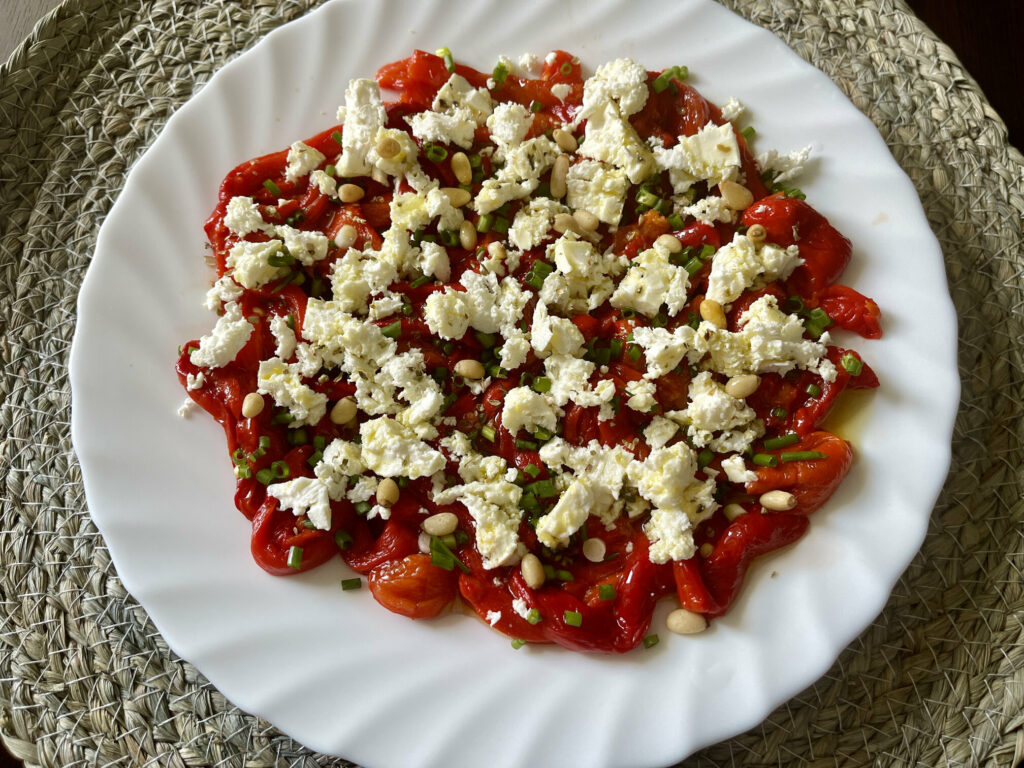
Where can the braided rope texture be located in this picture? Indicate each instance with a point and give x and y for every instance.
(85, 679)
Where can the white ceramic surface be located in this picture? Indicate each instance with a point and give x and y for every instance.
(332, 668)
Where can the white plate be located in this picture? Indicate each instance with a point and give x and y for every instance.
(334, 669)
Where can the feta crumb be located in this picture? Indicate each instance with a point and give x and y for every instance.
(521, 608)
(242, 216)
(784, 167)
(391, 449)
(302, 159)
(283, 382)
(186, 408)
(283, 335)
(194, 382)
(526, 409)
(222, 291)
(225, 341)
(742, 264)
(733, 110)
(304, 496)
(712, 155)
(493, 617)
(250, 263)
(736, 470)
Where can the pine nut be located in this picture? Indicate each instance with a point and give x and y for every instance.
(743, 385)
(343, 411)
(777, 501)
(684, 622)
(712, 311)
(496, 250)
(594, 550)
(346, 236)
(533, 571)
(736, 196)
(559, 173)
(252, 405)
(588, 222)
(461, 168)
(440, 524)
(350, 193)
(669, 242)
(732, 511)
(457, 196)
(706, 549)
(565, 140)
(757, 234)
(564, 222)
(388, 147)
(467, 236)
(469, 369)
(387, 492)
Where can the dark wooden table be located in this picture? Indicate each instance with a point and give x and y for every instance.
(985, 34)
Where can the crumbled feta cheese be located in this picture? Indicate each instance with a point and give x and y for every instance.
(222, 291)
(710, 210)
(457, 94)
(609, 137)
(195, 381)
(327, 185)
(526, 409)
(521, 608)
(741, 264)
(508, 124)
(494, 507)
(769, 341)
(283, 382)
(736, 470)
(304, 496)
(733, 110)
(711, 410)
(302, 159)
(242, 216)
(603, 468)
(283, 335)
(622, 81)
(598, 188)
(532, 223)
(385, 306)
(493, 617)
(434, 127)
(363, 116)
(186, 408)
(712, 155)
(665, 349)
(520, 176)
(219, 347)
(403, 162)
(447, 314)
(660, 431)
(341, 460)
(434, 261)
(356, 275)
(783, 167)
(642, 394)
(308, 247)
(250, 266)
(553, 335)
(560, 90)
(514, 352)
(391, 449)
(364, 490)
(565, 518)
(651, 281)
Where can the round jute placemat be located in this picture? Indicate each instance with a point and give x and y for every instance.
(85, 679)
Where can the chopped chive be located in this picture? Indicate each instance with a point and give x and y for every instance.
(542, 489)
(343, 539)
(748, 133)
(541, 384)
(314, 458)
(532, 470)
(488, 432)
(765, 460)
(563, 575)
(615, 349)
(816, 321)
(606, 592)
(704, 458)
(295, 558)
(660, 320)
(443, 557)
(501, 224)
(264, 442)
(813, 390)
(393, 331)
(280, 258)
(664, 80)
(487, 340)
(536, 106)
(676, 221)
(449, 237)
(435, 153)
(779, 413)
(349, 584)
(280, 469)
(272, 188)
(533, 616)
(282, 418)
(496, 371)
(648, 198)
(499, 74)
(361, 507)
(309, 525)
(706, 252)
(566, 68)
(484, 224)
(517, 643)
(774, 443)
(634, 351)
(526, 445)
(650, 641)
(336, 135)
(475, 162)
(573, 618)
(297, 437)
(543, 435)
(420, 281)
(265, 476)
(852, 364)
(446, 55)
(802, 455)
(693, 266)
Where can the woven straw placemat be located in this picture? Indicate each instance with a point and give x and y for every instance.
(85, 679)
